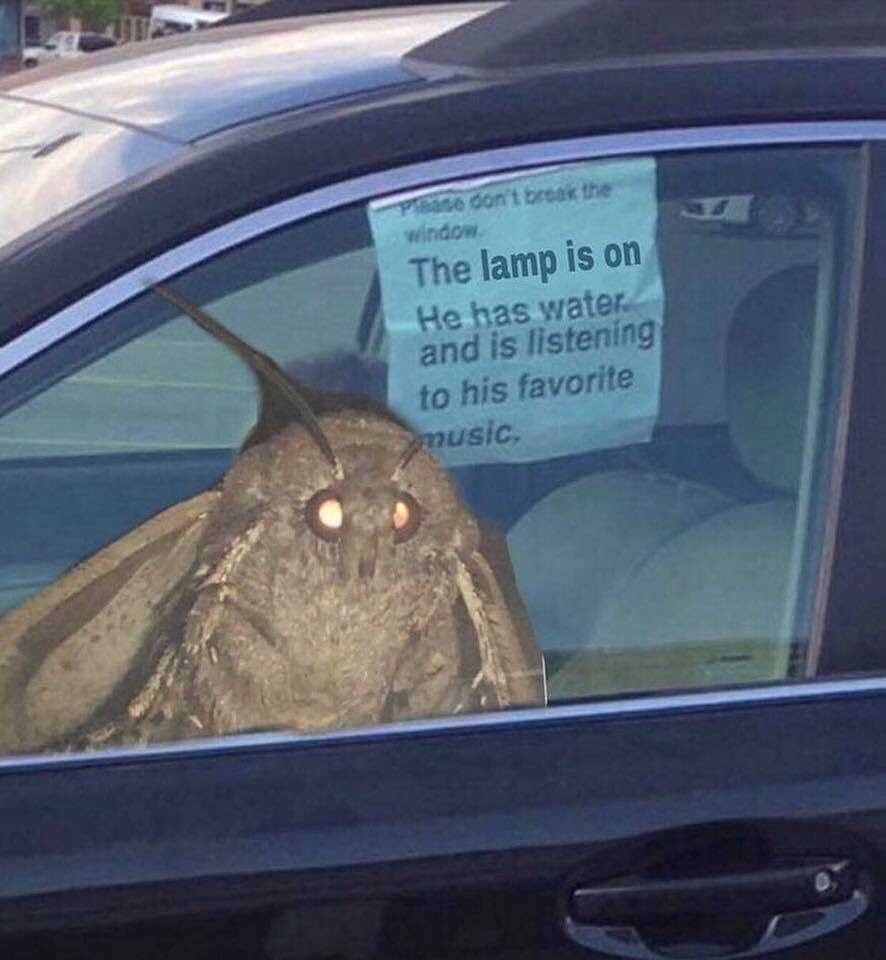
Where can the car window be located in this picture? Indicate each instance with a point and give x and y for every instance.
(624, 375)
(90, 42)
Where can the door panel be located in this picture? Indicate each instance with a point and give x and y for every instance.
(490, 818)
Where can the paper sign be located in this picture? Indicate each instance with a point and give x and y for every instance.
(524, 312)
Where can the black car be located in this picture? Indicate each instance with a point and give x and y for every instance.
(465, 246)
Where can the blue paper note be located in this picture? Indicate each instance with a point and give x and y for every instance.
(524, 312)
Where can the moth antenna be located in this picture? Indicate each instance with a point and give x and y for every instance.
(267, 372)
(414, 446)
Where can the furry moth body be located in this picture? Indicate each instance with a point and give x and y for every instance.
(333, 580)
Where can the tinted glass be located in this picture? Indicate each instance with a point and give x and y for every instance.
(625, 377)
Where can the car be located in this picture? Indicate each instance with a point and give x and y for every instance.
(391, 324)
(775, 215)
(65, 44)
(169, 19)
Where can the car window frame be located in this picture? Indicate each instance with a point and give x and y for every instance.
(363, 188)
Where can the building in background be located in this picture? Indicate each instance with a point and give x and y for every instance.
(11, 34)
(39, 25)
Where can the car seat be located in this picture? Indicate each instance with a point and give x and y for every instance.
(637, 580)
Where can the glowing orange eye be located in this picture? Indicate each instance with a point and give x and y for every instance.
(402, 513)
(325, 515)
(330, 514)
(405, 517)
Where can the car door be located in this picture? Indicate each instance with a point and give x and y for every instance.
(70, 45)
(674, 426)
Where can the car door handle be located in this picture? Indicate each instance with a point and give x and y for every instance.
(735, 914)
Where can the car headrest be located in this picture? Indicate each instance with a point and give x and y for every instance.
(768, 356)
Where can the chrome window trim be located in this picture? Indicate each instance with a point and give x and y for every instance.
(653, 705)
(413, 176)
(396, 180)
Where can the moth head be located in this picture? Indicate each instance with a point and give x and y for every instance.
(385, 509)
(356, 487)
(392, 511)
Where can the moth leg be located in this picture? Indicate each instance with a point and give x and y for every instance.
(220, 677)
(510, 666)
(223, 594)
(436, 672)
(237, 675)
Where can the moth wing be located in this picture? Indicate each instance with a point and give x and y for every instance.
(65, 651)
(510, 660)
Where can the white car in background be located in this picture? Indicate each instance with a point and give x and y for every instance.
(66, 44)
(168, 19)
(774, 215)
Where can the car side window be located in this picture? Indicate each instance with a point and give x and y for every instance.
(573, 436)
(91, 42)
(112, 400)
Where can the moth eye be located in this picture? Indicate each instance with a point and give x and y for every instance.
(330, 514)
(325, 515)
(402, 513)
(405, 517)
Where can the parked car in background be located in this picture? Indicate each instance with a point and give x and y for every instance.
(66, 44)
(773, 215)
(169, 19)
(667, 445)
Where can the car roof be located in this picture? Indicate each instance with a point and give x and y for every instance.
(277, 9)
(528, 35)
(247, 166)
(185, 88)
